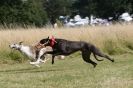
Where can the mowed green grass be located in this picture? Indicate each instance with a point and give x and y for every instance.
(72, 72)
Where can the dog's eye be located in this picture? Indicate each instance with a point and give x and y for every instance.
(14, 44)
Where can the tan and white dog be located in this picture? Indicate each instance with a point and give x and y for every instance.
(34, 52)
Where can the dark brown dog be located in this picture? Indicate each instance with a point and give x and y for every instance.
(66, 47)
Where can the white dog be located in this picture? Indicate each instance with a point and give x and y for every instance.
(31, 52)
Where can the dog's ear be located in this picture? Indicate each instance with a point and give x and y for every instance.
(20, 43)
(48, 38)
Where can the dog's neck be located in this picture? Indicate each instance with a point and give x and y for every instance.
(27, 50)
(52, 42)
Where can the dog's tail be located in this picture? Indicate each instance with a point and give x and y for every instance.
(97, 52)
(97, 58)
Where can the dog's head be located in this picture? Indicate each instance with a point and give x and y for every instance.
(48, 41)
(44, 42)
(16, 46)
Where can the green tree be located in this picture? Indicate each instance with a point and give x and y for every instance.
(103, 8)
(33, 13)
(113, 8)
(55, 8)
(8, 10)
(28, 12)
(84, 7)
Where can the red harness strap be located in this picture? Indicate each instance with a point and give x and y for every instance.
(52, 41)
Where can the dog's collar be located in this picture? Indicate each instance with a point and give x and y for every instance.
(52, 42)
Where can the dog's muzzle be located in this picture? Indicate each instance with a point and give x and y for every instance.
(11, 46)
(14, 47)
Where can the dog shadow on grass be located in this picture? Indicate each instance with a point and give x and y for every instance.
(30, 70)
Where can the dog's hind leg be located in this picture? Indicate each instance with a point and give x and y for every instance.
(86, 58)
(97, 58)
(44, 59)
(97, 52)
(37, 54)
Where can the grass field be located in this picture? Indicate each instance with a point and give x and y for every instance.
(73, 72)
(70, 73)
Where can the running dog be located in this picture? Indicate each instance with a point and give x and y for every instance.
(34, 52)
(66, 47)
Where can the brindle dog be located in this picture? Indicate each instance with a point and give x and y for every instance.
(66, 47)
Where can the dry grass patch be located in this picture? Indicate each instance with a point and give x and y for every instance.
(114, 39)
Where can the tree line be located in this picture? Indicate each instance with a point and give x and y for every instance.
(42, 12)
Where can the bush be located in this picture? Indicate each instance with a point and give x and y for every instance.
(128, 45)
(112, 47)
(15, 57)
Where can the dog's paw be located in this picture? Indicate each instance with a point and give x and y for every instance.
(32, 63)
(113, 60)
(37, 65)
(43, 61)
(94, 65)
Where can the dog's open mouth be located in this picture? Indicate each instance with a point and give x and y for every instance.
(10, 46)
(13, 47)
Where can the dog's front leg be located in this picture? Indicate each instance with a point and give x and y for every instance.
(53, 59)
(40, 54)
(35, 63)
(53, 56)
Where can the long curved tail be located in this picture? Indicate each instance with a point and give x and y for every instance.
(97, 52)
(97, 58)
